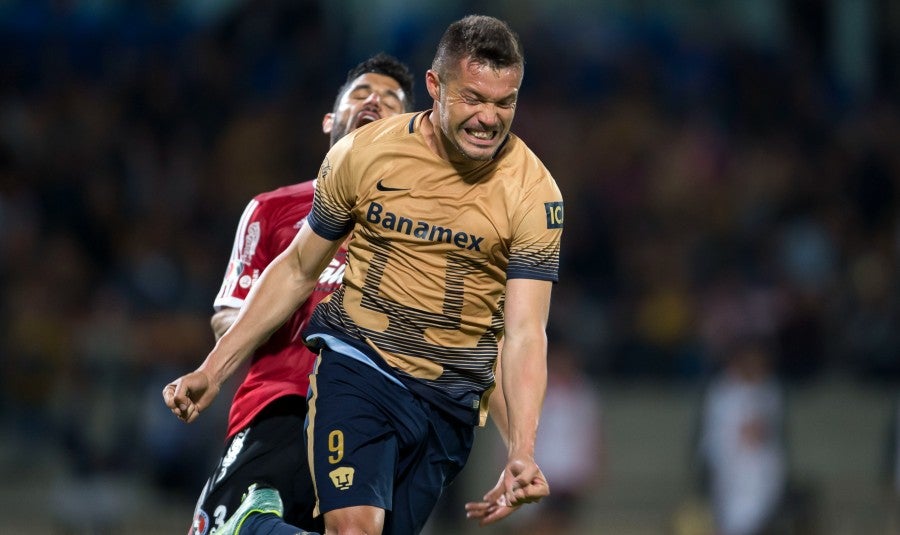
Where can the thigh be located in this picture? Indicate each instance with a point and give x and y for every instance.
(269, 451)
(352, 434)
(426, 469)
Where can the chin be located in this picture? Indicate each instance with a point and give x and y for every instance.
(481, 154)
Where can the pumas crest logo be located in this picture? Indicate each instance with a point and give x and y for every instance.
(342, 477)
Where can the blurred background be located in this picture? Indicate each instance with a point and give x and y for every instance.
(726, 332)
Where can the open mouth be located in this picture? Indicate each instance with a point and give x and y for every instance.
(366, 117)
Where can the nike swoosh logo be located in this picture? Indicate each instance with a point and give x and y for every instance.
(381, 187)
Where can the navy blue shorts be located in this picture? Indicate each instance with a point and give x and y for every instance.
(373, 442)
(270, 451)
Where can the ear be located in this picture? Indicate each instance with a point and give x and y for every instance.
(327, 123)
(433, 84)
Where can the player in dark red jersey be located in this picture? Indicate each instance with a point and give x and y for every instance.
(264, 440)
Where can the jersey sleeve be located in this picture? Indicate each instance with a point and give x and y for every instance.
(249, 256)
(331, 216)
(537, 224)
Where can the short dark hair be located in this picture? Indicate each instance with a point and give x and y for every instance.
(484, 39)
(387, 65)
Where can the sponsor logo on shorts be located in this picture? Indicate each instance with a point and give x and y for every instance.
(342, 477)
(201, 523)
(231, 455)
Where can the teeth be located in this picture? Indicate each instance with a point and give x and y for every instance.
(367, 117)
(481, 134)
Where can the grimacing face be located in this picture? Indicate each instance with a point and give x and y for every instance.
(477, 106)
(369, 97)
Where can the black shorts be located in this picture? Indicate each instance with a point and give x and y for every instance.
(374, 442)
(270, 451)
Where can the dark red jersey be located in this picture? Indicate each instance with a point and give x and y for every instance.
(281, 366)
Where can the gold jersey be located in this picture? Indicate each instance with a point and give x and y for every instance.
(432, 248)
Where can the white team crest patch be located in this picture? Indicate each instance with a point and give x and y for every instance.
(251, 240)
(231, 455)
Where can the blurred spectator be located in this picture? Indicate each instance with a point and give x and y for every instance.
(741, 445)
(872, 306)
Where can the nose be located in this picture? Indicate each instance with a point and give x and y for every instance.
(487, 114)
(373, 99)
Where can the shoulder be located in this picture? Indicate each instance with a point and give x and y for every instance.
(291, 193)
(389, 130)
(519, 160)
(368, 144)
(286, 201)
(525, 176)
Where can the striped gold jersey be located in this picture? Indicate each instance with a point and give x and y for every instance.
(432, 247)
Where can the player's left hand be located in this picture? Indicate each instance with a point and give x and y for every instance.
(493, 506)
(496, 506)
(523, 481)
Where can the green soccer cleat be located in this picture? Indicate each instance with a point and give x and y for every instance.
(257, 500)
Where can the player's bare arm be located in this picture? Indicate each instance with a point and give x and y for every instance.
(283, 286)
(521, 376)
(497, 402)
(493, 506)
(524, 383)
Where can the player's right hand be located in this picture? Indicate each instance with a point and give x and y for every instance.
(189, 395)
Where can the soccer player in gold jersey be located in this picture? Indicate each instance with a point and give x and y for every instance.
(454, 228)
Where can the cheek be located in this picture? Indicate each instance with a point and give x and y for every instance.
(458, 115)
(505, 115)
(346, 112)
(447, 116)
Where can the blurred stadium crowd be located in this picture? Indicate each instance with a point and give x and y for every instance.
(719, 185)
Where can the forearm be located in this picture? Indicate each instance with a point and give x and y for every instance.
(278, 292)
(524, 383)
(497, 404)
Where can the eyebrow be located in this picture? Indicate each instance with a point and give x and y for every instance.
(469, 91)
